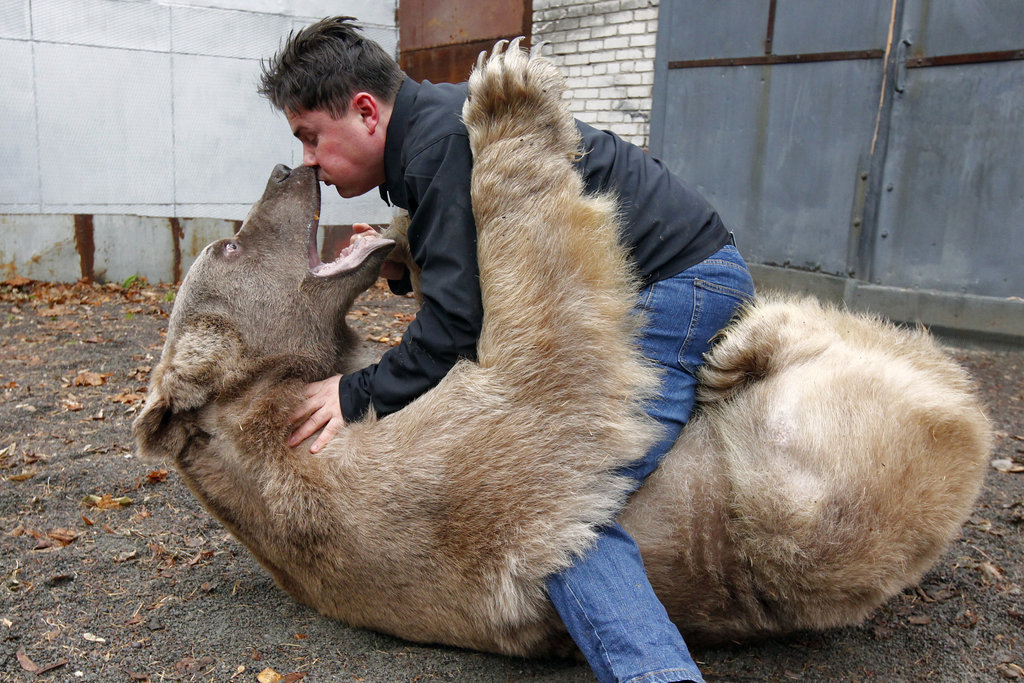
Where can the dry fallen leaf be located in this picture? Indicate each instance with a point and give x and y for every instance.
(141, 371)
(157, 476)
(93, 638)
(87, 378)
(25, 475)
(125, 556)
(50, 667)
(72, 404)
(26, 663)
(268, 675)
(205, 555)
(106, 501)
(126, 397)
(63, 536)
(55, 310)
(992, 570)
(920, 620)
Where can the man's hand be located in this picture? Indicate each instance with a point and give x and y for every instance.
(321, 408)
(389, 270)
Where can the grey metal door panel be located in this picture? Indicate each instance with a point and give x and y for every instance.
(818, 139)
(712, 132)
(710, 29)
(954, 216)
(881, 141)
(814, 26)
(955, 27)
(779, 152)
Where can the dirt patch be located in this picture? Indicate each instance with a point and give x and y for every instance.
(112, 571)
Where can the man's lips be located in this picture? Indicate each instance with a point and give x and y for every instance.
(321, 178)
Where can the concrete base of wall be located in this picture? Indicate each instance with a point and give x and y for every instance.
(960, 318)
(104, 248)
(112, 248)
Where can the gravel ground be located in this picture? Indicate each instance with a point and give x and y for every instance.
(113, 572)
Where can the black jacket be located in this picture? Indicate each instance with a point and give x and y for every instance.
(667, 226)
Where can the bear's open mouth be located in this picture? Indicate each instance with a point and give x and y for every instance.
(360, 246)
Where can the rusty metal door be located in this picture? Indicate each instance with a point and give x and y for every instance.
(879, 141)
(439, 40)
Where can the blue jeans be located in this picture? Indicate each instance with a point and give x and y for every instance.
(605, 599)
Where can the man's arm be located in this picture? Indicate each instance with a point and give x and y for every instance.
(442, 239)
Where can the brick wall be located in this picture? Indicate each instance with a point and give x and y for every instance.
(606, 50)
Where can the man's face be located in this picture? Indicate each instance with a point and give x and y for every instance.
(349, 151)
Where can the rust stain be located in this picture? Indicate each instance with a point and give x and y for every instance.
(85, 245)
(769, 39)
(177, 234)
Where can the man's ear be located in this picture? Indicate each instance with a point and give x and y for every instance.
(368, 108)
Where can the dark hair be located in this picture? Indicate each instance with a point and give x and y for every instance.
(323, 65)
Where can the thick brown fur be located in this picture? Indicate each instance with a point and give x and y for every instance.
(832, 459)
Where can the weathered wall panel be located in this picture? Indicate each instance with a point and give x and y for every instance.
(777, 147)
(874, 146)
(963, 26)
(150, 108)
(712, 29)
(814, 26)
(952, 215)
(435, 23)
(439, 40)
(19, 181)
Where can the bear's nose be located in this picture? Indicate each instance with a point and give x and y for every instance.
(280, 173)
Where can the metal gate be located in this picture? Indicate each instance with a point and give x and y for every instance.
(440, 39)
(872, 151)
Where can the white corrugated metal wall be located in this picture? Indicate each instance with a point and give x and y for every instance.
(144, 107)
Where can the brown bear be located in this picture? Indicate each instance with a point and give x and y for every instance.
(830, 461)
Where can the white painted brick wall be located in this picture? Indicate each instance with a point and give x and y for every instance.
(606, 50)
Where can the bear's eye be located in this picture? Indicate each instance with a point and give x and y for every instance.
(230, 247)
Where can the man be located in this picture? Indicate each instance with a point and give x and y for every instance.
(363, 124)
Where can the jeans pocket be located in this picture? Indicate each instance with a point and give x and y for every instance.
(714, 305)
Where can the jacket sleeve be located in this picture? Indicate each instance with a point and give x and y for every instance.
(442, 238)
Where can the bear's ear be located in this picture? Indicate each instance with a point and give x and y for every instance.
(159, 433)
(199, 363)
(203, 360)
